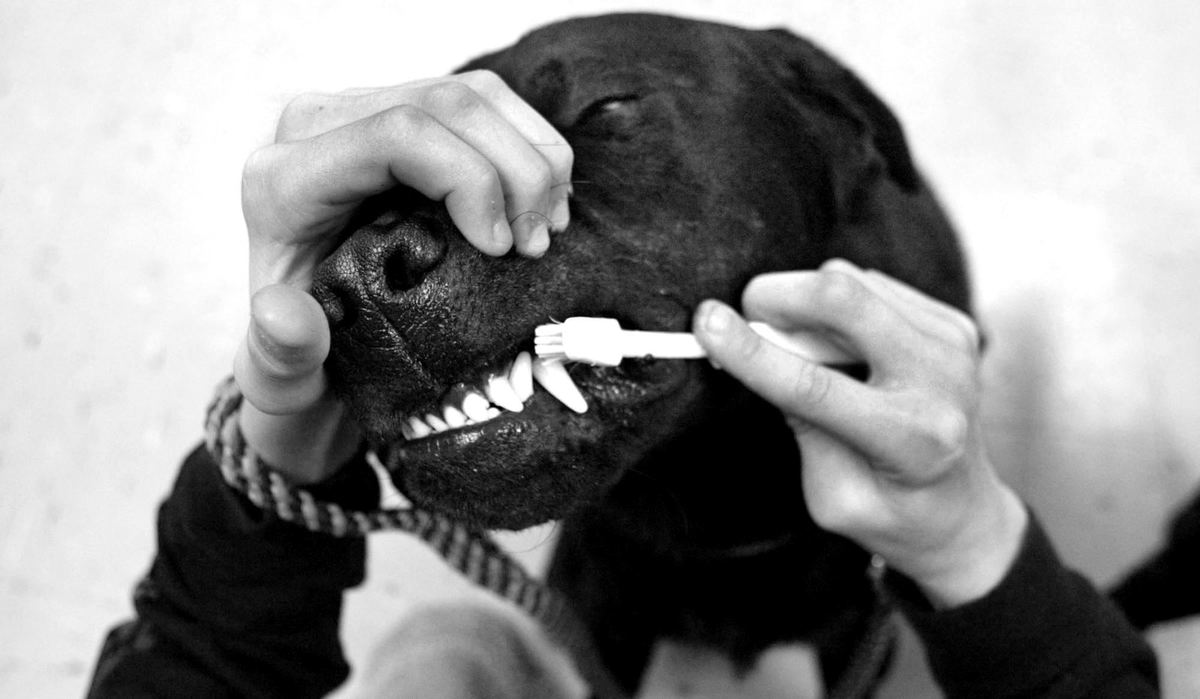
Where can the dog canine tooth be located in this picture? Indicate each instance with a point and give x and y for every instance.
(474, 406)
(453, 416)
(553, 377)
(500, 391)
(520, 376)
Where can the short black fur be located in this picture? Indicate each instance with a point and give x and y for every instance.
(704, 155)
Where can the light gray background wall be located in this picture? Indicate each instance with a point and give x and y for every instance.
(1063, 136)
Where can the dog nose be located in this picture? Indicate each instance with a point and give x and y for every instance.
(377, 264)
(410, 255)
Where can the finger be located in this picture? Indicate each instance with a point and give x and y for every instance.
(313, 114)
(279, 363)
(841, 305)
(327, 175)
(830, 400)
(926, 313)
(525, 175)
(533, 159)
(956, 323)
(840, 490)
(539, 132)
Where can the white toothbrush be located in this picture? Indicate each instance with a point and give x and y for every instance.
(602, 342)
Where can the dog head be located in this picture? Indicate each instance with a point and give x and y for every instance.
(704, 155)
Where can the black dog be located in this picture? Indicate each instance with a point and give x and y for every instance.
(704, 155)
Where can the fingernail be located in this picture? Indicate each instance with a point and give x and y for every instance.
(281, 356)
(838, 264)
(560, 213)
(715, 317)
(539, 241)
(532, 233)
(502, 235)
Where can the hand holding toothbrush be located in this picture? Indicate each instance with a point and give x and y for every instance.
(896, 463)
(467, 139)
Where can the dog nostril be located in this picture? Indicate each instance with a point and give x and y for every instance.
(413, 257)
(338, 309)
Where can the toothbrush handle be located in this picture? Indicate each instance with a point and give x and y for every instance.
(663, 345)
(807, 344)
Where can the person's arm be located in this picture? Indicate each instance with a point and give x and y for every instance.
(897, 463)
(1043, 631)
(1165, 585)
(237, 601)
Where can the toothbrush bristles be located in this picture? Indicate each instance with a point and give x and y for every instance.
(548, 342)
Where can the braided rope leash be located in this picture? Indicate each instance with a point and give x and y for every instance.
(469, 551)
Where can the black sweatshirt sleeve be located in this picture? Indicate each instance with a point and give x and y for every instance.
(1167, 585)
(1044, 631)
(237, 602)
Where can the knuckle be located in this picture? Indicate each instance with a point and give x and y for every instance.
(946, 432)
(267, 181)
(564, 158)
(842, 509)
(299, 114)
(810, 384)
(957, 368)
(484, 80)
(257, 164)
(971, 337)
(451, 97)
(258, 171)
(838, 290)
(478, 175)
(828, 514)
(401, 118)
(560, 161)
(535, 177)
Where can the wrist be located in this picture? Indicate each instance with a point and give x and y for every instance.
(976, 560)
(308, 446)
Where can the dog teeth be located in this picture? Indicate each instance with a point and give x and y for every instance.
(436, 422)
(475, 406)
(419, 428)
(553, 377)
(520, 376)
(504, 390)
(453, 416)
(499, 390)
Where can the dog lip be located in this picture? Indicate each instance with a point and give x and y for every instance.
(508, 424)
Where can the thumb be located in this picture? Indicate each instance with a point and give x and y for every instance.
(279, 363)
(789, 382)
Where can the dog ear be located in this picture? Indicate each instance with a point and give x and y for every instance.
(817, 81)
(811, 70)
(886, 216)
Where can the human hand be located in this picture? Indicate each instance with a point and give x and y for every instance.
(896, 463)
(468, 140)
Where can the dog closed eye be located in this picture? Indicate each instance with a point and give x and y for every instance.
(607, 108)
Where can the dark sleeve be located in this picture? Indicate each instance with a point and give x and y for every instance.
(1167, 585)
(1045, 631)
(237, 602)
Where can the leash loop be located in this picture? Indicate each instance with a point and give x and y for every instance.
(472, 552)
